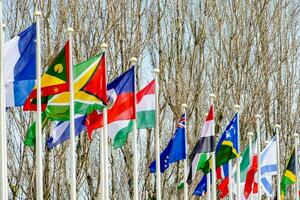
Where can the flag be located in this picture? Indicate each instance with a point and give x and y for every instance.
(30, 135)
(205, 144)
(20, 66)
(121, 109)
(289, 176)
(89, 91)
(54, 81)
(175, 150)
(268, 166)
(227, 147)
(61, 131)
(201, 188)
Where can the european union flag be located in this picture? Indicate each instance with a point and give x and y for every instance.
(176, 149)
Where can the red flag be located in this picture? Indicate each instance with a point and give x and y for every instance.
(250, 185)
(223, 188)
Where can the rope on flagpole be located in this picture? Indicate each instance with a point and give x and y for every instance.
(38, 141)
(258, 153)
(238, 193)
(157, 140)
(70, 32)
(213, 157)
(186, 190)
(277, 127)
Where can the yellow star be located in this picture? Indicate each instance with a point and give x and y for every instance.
(55, 89)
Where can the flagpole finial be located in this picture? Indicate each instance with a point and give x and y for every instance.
(184, 105)
(277, 126)
(37, 13)
(237, 107)
(4, 26)
(70, 30)
(133, 61)
(267, 142)
(103, 46)
(156, 70)
(206, 114)
(257, 116)
(212, 97)
(296, 135)
(250, 134)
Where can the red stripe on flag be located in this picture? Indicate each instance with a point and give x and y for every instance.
(210, 115)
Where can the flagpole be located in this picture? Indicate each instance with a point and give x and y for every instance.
(102, 166)
(3, 159)
(258, 154)
(230, 179)
(70, 32)
(213, 157)
(296, 166)
(186, 190)
(237, 110)
(208, 181)
(103, 46)
(133, 62)
(277, 127)
(157, 144)
(250, 134)
(38, 141)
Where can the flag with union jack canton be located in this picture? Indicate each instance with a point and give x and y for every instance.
(175, 150)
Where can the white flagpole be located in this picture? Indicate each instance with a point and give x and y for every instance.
(277, 127)
(70, 32)
(296, 166)
(105, 144)
(230, 179)
(250, 134)
(267, 142)
(157, 142)
(238, 193)
(213, 157)
(258, 153)
(38, 141)
(3, 156)
(133, 62)
(102, 166)
(186, 189)
(208, 186)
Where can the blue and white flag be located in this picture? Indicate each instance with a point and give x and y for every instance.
(176, 149)
(20, 66)
(201, 188)
(268, 166)
(61, 131)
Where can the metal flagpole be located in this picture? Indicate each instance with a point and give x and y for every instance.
(157, 144)
(208, 181)
(296, 166)
(133, 62)
(230, 179)
(250, 134)
(277, 127)
(186, 190)
(105, 143)
(213, 157)
(258, 153)
(238, 193)
(102, 166)
(38, 141)
(3, 156)
(70, 32)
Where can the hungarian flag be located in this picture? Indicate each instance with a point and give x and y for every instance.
(89, 91)
(121, 109)
(205, 144)
(289, 176)
(54, 81)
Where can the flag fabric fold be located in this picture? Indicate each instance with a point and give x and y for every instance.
(175, 150)
(20, 66)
